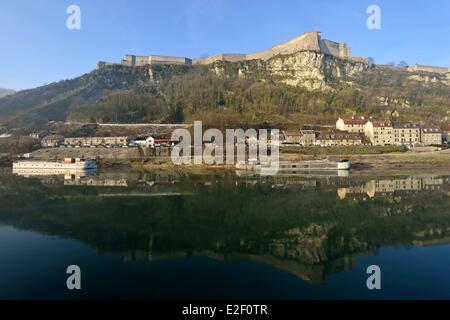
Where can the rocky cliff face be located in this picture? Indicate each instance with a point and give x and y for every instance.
(431, 79)
(312, 70)
(308, 69)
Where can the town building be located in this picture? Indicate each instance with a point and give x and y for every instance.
(446, 134)
(351, 125)
(308, 137)
(379, 133)
(152, 142)
(52, 141)
(430, 135)
(144, 141)
(39, 134)
(300, 137)
(406, 133)
(96, 141)
(339, 138)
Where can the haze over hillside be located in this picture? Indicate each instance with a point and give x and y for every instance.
(5, 92)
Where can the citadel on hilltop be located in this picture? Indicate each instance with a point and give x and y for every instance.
(309, 41)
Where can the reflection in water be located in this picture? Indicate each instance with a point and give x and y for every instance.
(385, 187)
(66, 173)
(310, 226)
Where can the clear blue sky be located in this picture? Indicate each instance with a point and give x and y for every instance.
(37, 48)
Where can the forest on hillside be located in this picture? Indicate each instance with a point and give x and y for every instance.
(177, 94)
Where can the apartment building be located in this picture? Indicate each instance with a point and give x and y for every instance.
(300, 137)
(406, 133)
(339, 138)
(96, 141)
(430, 135)
(379, 133)
(351, 125)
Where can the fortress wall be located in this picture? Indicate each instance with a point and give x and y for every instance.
(349, 52)
(128, 60)
(132, 60)
(307, 41)
(263, 55)
(336, 49)
(359, 59)
(169, 60)
(141, 60)
(329, 47)
(232, 57)
(433, 69)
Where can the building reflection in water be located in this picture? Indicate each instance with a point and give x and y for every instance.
(386, 187)
(67, 174)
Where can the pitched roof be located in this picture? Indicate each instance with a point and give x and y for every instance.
(355, 121)
(54, 137)
(339, 135)
(382, 123)
(405, 125)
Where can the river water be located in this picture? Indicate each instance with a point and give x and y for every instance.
(222, 235)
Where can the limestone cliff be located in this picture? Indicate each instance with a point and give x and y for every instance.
(308, 69)
(313, 70)
(431, 79)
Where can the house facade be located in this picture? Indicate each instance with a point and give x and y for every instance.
(446, 135)
(351, 125)
(300, 137)
(379, 133)
(148, 141)
(52, 141)
(339, 138)
(430, 135)
(96, 141)
(406, 133)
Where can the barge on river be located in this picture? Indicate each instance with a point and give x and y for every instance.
(68, 164)
(332, 164)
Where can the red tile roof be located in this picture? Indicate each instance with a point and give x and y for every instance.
(355, 121)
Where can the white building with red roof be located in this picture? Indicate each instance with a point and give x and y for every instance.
(351, 125)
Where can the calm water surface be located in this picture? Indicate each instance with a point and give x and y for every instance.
(222, 235)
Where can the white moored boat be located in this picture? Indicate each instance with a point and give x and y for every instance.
(329, 164)
(67, 164)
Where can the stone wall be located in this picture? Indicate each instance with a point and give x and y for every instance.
(424, 68)
(133, 60)
(231, 57)
(309, 41)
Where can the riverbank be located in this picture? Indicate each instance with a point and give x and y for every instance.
(133, 158)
